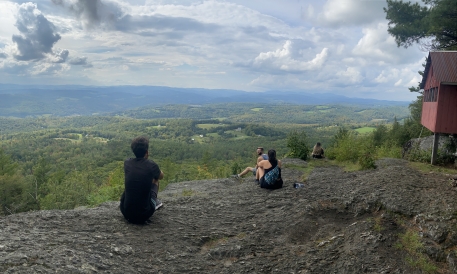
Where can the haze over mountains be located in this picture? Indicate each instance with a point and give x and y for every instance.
(23, 100)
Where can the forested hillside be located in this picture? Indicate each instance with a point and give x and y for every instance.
(62, 162)
(34, 101)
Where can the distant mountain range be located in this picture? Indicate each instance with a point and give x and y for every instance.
(23, 100)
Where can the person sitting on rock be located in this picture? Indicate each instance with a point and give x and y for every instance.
(318, 151)
(139, 200)
(261, 156)
(270, 172)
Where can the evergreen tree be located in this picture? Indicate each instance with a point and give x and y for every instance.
(433, 25)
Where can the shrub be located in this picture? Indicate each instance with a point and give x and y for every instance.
(355, 149)
(298, 144)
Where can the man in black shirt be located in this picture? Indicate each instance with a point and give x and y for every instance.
(139, 200)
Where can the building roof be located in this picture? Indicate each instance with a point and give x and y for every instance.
(444, 65)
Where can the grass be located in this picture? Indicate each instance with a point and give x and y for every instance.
(101, 139)
(427, 168)
(411, 243)
(72, 140)
(213, 242)
(364, 130)
(312, 163)
(256, 109)
(188, 192)
(208, 126)
(378, 120)
(377, 226)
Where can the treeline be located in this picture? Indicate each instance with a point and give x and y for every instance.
(61, 163)
(274, 113)
(384, 141)
(68, 167)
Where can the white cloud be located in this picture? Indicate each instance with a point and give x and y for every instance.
(350, 75)
(282, 59)
(339, 13)
(49, 69)
(404, 77)
(377, 45)
(332, 46)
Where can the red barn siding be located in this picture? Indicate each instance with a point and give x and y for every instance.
(440, 75)
(430, 109)
(429, 114)
(431, 80)
(446, 119)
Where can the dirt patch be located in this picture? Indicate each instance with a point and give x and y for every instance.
(340, 222)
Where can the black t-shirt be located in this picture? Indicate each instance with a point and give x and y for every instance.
(139, 173)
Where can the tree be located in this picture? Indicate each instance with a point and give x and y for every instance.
(434, 25)
(7, 167)
(298, 145)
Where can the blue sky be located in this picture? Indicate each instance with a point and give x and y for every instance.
(337, 46)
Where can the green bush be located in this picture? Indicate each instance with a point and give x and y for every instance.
(298, 144)
(367, 157)
(389, 149)
(352, 148)
(345, 148)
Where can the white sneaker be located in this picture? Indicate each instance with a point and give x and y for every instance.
(159, 204)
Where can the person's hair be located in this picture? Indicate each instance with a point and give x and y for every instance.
(317, 149)
(261, 148)
(140, 145)
(272, 156)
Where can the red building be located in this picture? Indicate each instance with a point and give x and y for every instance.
(439, 82)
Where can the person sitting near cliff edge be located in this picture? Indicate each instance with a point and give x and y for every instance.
(270, 172)
(261, 156)
(139, 200)
(318, 151)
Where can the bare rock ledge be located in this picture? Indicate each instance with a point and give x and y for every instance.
(340, 222)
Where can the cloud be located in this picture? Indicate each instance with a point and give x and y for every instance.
(3, 55)
(377, 45)
(283, 59)
(92, 13)
(9, 66)
(163, 24)
(59, 57)
(78, 61)
(404, 77)
(350, 75)
(49, 69)
(337, 13)
(38, 35)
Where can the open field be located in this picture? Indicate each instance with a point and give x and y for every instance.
(256, 109)
(365, 129)
(208, 126)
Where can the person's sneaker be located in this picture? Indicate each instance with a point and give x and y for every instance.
(159, 204)
(236, 176)
(257, 181)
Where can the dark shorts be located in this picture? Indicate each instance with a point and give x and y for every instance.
(276, 185)
(140, 219)
(154, 191)
(254, 170)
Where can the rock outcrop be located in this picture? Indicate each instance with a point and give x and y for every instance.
(340, 222)
(446, 146)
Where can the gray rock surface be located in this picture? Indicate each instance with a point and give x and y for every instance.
(340, 222)
(426, 144)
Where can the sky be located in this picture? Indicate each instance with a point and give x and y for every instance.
(313, 46)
